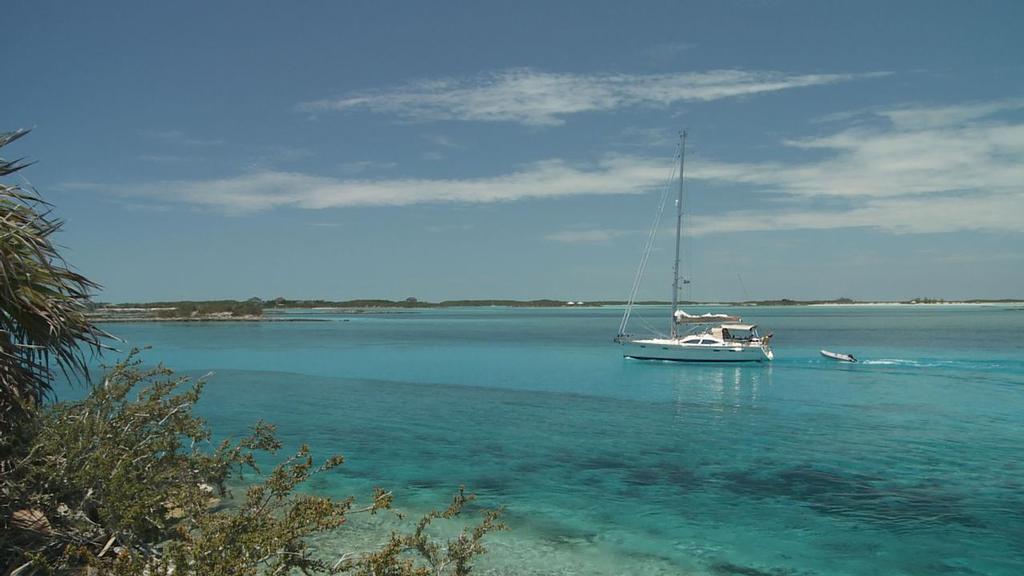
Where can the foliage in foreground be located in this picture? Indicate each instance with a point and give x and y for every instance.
(42, 301)
(124, 482)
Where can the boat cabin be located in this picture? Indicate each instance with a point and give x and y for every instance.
(707, 339)
(741, 332)
(723, 334)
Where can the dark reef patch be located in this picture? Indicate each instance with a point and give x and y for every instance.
(489, 483)
(643, 477)
(601, 462)
(425, 483)
(730, 569)
(669, 475)
(866, 498)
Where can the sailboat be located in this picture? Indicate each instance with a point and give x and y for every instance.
(691, 337)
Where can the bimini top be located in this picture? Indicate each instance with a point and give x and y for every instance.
(683, 318)
(739, 327)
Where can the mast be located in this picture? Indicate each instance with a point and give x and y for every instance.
(679, 231)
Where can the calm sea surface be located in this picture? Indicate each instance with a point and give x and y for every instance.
(911, 462)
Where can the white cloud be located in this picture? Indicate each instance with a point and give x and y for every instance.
(441, 140)
(951, 150)
(653, 138)
(927, 169)
(923, 170)
(915, 215)
(932, 117)
(587, 236)
(277, 153)
(165, 158)
(542, 98)
(667, 52)
(268, 189)
(958, 258)
(442, 228)
(359, 166)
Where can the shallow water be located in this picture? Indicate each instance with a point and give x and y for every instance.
(909, 462)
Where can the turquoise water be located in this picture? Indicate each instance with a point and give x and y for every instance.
(911, 462)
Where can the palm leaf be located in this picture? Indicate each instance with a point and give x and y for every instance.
(43, 301)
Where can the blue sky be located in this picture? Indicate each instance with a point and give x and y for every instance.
(441, 150)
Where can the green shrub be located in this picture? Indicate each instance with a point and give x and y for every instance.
(124, 481)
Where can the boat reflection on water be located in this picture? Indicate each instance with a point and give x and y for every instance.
(720, 388)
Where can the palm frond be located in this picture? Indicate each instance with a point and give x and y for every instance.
(43, 301)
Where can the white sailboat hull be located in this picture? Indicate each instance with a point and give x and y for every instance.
(674, 350)
(708, 337)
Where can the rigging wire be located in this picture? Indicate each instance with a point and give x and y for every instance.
(746, 297)
(650, 327)
(648, 246)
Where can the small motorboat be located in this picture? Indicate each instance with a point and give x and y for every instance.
(838, 356)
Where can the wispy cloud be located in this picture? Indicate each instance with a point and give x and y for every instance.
(978, 211)
(920, 151)
(264, 190)
(669, 51)
(442, 141)
(635, 137)
(917, 117)
(355, 167)
(917, 170)
(588, 235)
(920, 170)
(925, 169)
(165, 158)
(276, 154)
(540, 98)
(442, 228)
(973, 257)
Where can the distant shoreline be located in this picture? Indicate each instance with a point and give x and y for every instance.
(255, 310)
(969, 303)
(199, 319)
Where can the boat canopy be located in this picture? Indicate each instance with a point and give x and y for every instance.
(739, 327)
